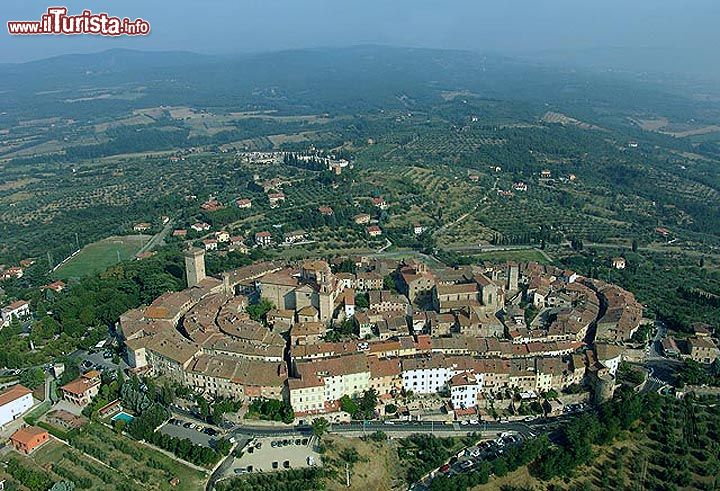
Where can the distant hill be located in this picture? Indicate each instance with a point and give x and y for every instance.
(352, 79)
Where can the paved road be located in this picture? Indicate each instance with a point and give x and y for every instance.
(661, 370)
(157, 239)
(522, 427)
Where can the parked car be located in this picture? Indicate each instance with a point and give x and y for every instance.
(286, 464)
(445, 468)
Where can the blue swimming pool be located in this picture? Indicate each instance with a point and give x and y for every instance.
(123, 416)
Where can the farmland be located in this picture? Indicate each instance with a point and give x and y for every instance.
(443, 156)
(98, 459)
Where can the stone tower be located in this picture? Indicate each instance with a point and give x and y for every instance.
(194, 266)
(513, 275)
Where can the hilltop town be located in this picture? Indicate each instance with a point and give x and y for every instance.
(461, 332)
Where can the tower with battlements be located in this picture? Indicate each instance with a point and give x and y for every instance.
(194, 266)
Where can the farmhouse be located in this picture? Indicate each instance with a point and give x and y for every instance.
(200, 227)
(27, 439)
(55, 286)
(263, 239)
(210, 244)
(243, 203)
(14, 402)
(83, 389)
(141, 227)
(296, 236)
(19, 310)
(275, 199)
(361, 218)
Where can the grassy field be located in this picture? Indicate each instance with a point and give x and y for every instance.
(100, 255)
(377, 467)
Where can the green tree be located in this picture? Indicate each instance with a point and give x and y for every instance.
(349, 405)
(258, 311)
(32, 378)
(320, 426)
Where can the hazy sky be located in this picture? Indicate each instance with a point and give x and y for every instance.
(508, 26)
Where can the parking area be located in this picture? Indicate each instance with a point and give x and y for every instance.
(472, 456)
(99, 360)
(575, 408)
(198, 434)
(275, 454)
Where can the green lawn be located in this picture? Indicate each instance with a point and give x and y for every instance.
(100, 255)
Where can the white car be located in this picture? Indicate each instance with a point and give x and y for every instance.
(474, 422)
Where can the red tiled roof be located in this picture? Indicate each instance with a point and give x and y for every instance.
(13, 393)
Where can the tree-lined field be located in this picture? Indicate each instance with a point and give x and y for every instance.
(98, 256)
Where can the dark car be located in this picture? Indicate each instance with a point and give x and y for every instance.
(445, 468)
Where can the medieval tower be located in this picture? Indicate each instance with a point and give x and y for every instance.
(194, 266)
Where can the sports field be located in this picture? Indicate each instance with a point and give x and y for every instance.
(100, 255)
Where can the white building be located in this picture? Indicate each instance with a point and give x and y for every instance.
(425, 374)
(210, 244)
(464, 389)
(14, 402)
(263, 239)
(327, 380)
(16, 310)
